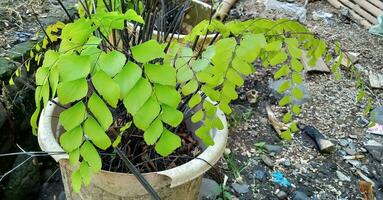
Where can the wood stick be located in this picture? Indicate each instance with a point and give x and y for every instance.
(377, 3)
(360, 11)
(277, 125)
(369, 7)
(354, 15)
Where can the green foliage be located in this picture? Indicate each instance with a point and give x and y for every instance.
(157, 90)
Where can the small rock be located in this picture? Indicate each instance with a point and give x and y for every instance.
(240, 188)
(377, 115)
(281, 195)
(342, 176)
(273, 148)
(375, 149)
(343, 142)
(287, 163)
(267, 161)
(260, 175)
(350, 151)
(362, 121)
(252, 96)
(317, 15)
(209, 189)
(354, 137)
(299, 195)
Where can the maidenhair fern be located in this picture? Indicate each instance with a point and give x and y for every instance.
(158, 88)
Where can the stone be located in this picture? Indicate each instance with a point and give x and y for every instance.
(240, 188)
(209, 189)
(274, 85)
(273, 148)
(252, 96)
(343, 142)
(281, 195)
(267, 161)
(377, 115)
(350, 151)
(342, 177)
(299, 195)
(375, 149)
(287, 163)
(260, 175)
(6, 67)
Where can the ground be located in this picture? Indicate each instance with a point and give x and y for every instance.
(332, 110)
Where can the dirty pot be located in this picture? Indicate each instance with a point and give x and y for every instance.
(181, 182)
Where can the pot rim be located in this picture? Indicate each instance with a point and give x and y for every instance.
(194, 168)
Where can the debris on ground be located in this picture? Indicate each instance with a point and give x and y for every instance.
(378, 28)
(277, 125)
(367, 190)
(342, 177)
(252, 96)
(376, 80)
(267, 160)
(278, 177)
(377, 115)
(209, 189)
(349, 58)
(322, 15)
(375, 149)
(240, 188)
(324, 145)
(377, 129)
(292, 10)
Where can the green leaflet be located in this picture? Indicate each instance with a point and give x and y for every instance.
(250, 46)
(203, 132)
(108, 89)
(184, 74)
(50, 58)
(90, 155)
(283, 71)
(74, 156)
(111, 63)
(75, 34)
(154, 131)
(162, 74)
(101, 111)
(146, 114)
(96, 133)
(242, 66)
(296, 65)
(147, 51)
(292, 47)
(136, 98)
(128, 77)
(70, 91)
(195, 100)
(190, 87)
(297, 93)
(278, 58)
(273, 46)
(229, 91)
(85, 173)
(76, 181)
(42, 74)
(183, 57)
(286, 85)
(73, 116)
(171, 116)
(296, 110)
(198, 116)
(72, 67)
(234, 77)
(167, 143)
(54, 79)
(167, 95)
(71, 139)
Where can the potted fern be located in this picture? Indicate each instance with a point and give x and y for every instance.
(107, 96)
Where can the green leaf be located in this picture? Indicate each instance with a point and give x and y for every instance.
(284, 101)
(292, 47)
(183, 57)
(234, 77)
(167, 95)
(131, 15)
(171, 116)
(45, 93)
(71, 139)
(147, 51)
(297, 78)
(75, 34)
(100, 110)
(321, 48)
(74, 156)
(167, 143)
(224, 106)
(76, 181)
(73, 116)
(198, 116)
(273, 46)
(241, 66)
(96, 133)
(195, 100)
(162, 74)
(190, 87)
(203, 133)
(250, 46)
(278, 58)
(108, 89)
(200, 64)
(286, 135)
(125, 127)
(50, 58)
(33, 120)
(85, 173)
(184, 74)
(72, 67)
(296, 65)
(296, 109)
(128, 77)
(286, 85)
(209, 108)
(42, 74)
(229, 91)
(90, 154)
(70, 91)
(360, 95)
(54, 79)
(283, 71)
(293, 127)
(117, 141)
(297, 93)
(154, 131)
(136, 98)
(287, 117)
(111, 63)
(146, 114)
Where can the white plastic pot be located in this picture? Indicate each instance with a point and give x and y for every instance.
(181, 182)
